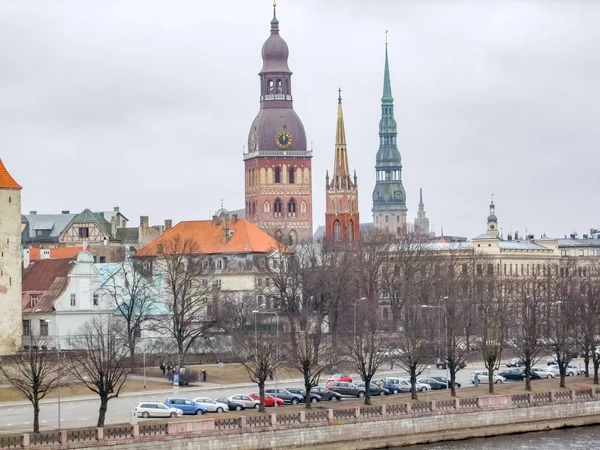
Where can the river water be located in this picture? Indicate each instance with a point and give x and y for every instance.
(585, 438)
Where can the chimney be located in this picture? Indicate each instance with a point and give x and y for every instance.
(516, 235)
(26, 258)
(144, 222)
(510, 237)
(168, 224)
(225, 227)
(33, 213)
(102, 214)
(215, 219)
(159, 249)
(66, 211)
(234, 217)
(116, 209)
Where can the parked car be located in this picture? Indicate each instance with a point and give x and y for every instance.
(513, 374)
(551, 361)
(231, 406)
(344, 388)
(393, 388)
(374, 389)
(314, 398)
(186, 405)
(285, 395)
(211, 405)
(543, 372)
(446, 381)
(515, 362)
(326, 394)
(435, 384)
(571, 370)
(484, 377)
(405, 386)
(155, 409)
(245, 400)
(340, 377)
(269, 399)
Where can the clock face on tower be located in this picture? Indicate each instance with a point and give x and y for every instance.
(283, 139)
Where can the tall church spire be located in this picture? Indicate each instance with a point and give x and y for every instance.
(389, 196)
(341, 216)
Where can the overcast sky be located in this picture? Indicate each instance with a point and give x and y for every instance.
(146, 104)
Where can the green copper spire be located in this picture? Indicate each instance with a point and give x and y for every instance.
(387, 84)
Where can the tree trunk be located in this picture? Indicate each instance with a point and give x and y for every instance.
(413, 385)
(102, 411)
(490, 382)
(180, 354)
(36, 415)
(596, 364)
(307, 388)
(562, 379)
(368, 391)
(527, 375)
(132, 353)
(452, 381)
(586, 361)
(261, 394)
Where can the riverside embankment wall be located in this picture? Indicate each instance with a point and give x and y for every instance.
(352, 428)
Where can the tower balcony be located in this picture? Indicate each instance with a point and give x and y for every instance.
(277, 153)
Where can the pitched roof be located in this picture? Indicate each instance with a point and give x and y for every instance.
(128, 235)
(56, 252)
(206, 237)
(46, 278)
(6, 181)
(88, 216)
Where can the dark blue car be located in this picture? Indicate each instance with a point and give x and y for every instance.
(186, 405)
(393, 388)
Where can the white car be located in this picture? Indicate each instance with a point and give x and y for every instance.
(155, 409)
(405, 384)
(543, 372)
(571, 370)
(211, 405)
(245, 400)
(483, 376)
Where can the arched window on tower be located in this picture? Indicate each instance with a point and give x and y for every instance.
(303, 208)
(279, 87)
(277, 175)
(292, 174)
(292, 207)
(277, 207)
(337, 231)
(267, 206)
(270, 86)
(351, 231)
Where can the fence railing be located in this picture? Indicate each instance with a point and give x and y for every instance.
(317, 417)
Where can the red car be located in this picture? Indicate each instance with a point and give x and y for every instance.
(269, 399)
(340, 377)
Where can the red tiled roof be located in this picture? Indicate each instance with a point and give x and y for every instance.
(46, 278)
(56, 252)
(6, 181)
(205, 237)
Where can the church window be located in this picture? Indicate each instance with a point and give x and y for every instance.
(253, 208)
(292, 206)
(337, 231)
(292, 175)
(267, 207)
(270, 86)
(277, 206)
(279, 87)
(351, 231)
(387, 219)
(277, 175)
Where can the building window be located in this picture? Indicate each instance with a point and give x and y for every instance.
(102, 259)
(592, 252)
(337, 231)
(291, 176)
(465, 269)
(564, 253)
(84, 232)
(33, 300)
(277, 206)
(581, 252)
(479, 269)
(490, 269)
(218, 284)
(397, 218)
(277, 175)
(267, 207)
(43, 328)
(258, 281)
(219, 263)
(387, 219)
(95, 299)
(205, 264)
(262, 262)
(292, 206)
(260, 301)
(73, 299)
(26, 327)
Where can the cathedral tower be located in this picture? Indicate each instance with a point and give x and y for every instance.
(422, 222)
(341, 216)
(277, 164)
(11, 324)
(389, 197)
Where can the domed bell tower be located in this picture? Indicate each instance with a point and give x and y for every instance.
(278, 173)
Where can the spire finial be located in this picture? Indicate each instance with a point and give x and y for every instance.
(274, 21)
(387, 84)
(421, 204)
(339, 95)
(386, 33)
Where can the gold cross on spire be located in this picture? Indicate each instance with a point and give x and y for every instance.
(386, 33)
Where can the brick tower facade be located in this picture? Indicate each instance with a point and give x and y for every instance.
(278, 178)
(341, 216)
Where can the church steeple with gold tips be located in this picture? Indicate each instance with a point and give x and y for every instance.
(341, 216)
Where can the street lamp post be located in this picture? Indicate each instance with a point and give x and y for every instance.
(355, 303)
(277, 336)
(58, 367)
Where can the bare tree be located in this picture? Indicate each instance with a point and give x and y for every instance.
(34, 372)
(493, 315)
(99, 359)
(258, 352)
(414, 349)
(588, 311)
(135, 299)
(191, 293)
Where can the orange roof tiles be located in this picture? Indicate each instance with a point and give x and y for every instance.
(205, 237)
(6, 181)
(56, 252)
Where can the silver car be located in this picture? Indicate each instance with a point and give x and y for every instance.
(245, 400)
(155, 409)
(211, 405)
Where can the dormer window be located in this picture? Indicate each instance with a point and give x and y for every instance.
(33, 300)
